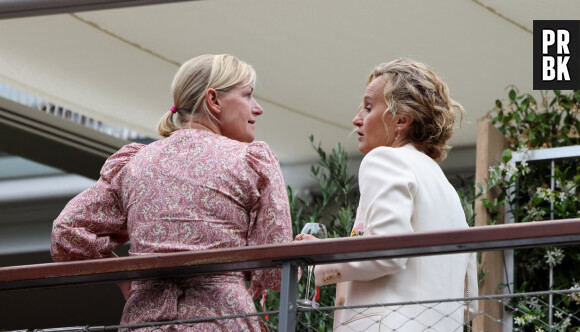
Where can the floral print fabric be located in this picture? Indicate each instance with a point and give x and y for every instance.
(192, 191)
(358, 230)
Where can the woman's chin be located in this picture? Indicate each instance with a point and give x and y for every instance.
(362, 148)
(249, 138)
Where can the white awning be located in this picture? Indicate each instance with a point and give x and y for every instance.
(312, 57)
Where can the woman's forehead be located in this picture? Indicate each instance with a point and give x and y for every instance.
(375, 88)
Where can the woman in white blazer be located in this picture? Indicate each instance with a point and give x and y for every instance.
(405, 120)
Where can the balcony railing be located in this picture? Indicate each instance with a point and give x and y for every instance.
(292, 255)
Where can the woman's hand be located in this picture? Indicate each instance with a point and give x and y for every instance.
(305, 237)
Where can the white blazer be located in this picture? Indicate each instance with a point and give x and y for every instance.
(403, 191)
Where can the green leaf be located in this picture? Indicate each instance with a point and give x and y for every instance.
(487, 203)
(531, 116)
(506, 155)
(498, 103)
(565, 205)
(525, 104)
(512, 95)
(532, 137)
(480, 186)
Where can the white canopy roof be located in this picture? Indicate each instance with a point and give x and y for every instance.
(312, 57)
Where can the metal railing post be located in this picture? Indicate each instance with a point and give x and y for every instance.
(551, 271)
(288, 291)
(508, 258)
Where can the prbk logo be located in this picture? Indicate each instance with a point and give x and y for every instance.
(556, 55)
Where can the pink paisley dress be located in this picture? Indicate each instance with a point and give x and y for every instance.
(194, 190)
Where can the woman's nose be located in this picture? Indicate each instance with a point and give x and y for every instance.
(357, 121)
(256, 108)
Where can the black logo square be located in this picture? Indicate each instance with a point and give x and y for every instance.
(556, 55)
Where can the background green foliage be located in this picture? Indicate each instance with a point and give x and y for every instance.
(526, 188)
(553, 123)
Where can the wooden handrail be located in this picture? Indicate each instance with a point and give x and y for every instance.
(171, 265)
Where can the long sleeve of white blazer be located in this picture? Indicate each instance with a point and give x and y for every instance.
(403, 191)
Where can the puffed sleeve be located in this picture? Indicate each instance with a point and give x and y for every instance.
(387, 189)
(93, 224)
(270, 220)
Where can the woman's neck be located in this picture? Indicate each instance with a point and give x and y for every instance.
(400, 143)
(201, 125)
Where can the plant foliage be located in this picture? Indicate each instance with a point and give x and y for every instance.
(536, 192)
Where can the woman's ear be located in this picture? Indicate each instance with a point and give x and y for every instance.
(404, 121)
(213, 101)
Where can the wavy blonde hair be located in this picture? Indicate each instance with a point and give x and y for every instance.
(221, 72)
(413, 90)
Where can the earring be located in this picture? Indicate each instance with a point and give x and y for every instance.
(397, 137)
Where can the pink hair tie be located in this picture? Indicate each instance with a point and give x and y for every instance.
(173, 109)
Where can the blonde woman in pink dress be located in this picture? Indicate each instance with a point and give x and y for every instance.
(201, 187)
